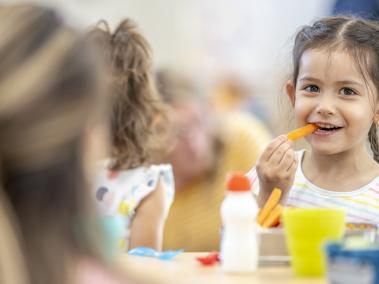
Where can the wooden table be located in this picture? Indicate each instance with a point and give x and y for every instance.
(185, 269)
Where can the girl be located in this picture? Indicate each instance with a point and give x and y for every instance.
(50, 104)
(335, 85)
(129, 185)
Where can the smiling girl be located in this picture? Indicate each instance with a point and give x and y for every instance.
(334, 85)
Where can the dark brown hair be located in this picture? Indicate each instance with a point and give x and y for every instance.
(358, 37)
(138, 119)
(51, 91)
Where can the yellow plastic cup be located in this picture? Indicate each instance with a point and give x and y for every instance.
(306, 231)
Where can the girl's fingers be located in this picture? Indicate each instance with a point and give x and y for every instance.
(271, 148)
(287, 160)
(279, 153)
(293, 166)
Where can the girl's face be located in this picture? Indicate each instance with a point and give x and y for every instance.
(332, 93)
(192, 153)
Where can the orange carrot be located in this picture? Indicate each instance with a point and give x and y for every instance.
(269, 205)
(301, 132)
(274, 216)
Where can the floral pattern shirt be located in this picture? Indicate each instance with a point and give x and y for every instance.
(118, 194)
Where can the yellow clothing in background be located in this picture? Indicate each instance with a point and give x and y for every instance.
(194, 222)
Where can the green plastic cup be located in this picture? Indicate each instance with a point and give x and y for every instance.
(306, 231)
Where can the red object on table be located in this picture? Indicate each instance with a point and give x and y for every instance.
(209, 259)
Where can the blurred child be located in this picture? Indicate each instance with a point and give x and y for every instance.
(50, 106)
(334, 85)
(129, 184)
(204, 148)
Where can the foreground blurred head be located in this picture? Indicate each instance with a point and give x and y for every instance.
(49, 101)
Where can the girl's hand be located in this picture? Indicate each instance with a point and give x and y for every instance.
(276, 167)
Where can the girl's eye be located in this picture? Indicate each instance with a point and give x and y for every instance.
(312, 89)
(347, 92)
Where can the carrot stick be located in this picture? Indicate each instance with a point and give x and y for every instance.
(269, 205)
(273, 217)
(301, 132)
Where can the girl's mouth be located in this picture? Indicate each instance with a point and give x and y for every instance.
(326, 129)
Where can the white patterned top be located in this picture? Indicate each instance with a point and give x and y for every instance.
(118, 194)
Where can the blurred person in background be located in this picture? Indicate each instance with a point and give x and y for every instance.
(231, 94)
(203, 150)
(130, 185)
(51, 111)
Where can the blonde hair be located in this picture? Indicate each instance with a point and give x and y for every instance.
(139, 117)
(50, 91)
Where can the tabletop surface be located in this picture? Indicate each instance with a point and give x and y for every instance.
(185, 269)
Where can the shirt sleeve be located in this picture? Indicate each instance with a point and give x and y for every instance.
(166, 179)
(254, 180)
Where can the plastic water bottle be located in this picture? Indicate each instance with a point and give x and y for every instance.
(239, 245)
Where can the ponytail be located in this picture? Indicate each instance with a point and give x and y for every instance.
(373, 138)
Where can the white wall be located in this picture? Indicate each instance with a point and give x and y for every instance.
(246, 35)
(207, 38)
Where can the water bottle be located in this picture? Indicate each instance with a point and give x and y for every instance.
(239, 245)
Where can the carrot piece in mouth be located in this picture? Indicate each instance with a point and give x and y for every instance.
(302, 132)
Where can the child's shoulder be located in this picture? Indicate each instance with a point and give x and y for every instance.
(151, 172)
(127, 188)
(160, 168)
(141, 180)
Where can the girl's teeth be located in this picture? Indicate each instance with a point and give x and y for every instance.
(327, 126)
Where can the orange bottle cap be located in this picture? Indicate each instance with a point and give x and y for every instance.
(238, 182)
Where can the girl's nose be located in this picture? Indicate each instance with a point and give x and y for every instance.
(326, 106)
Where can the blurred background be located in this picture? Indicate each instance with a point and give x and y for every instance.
(240, 46)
